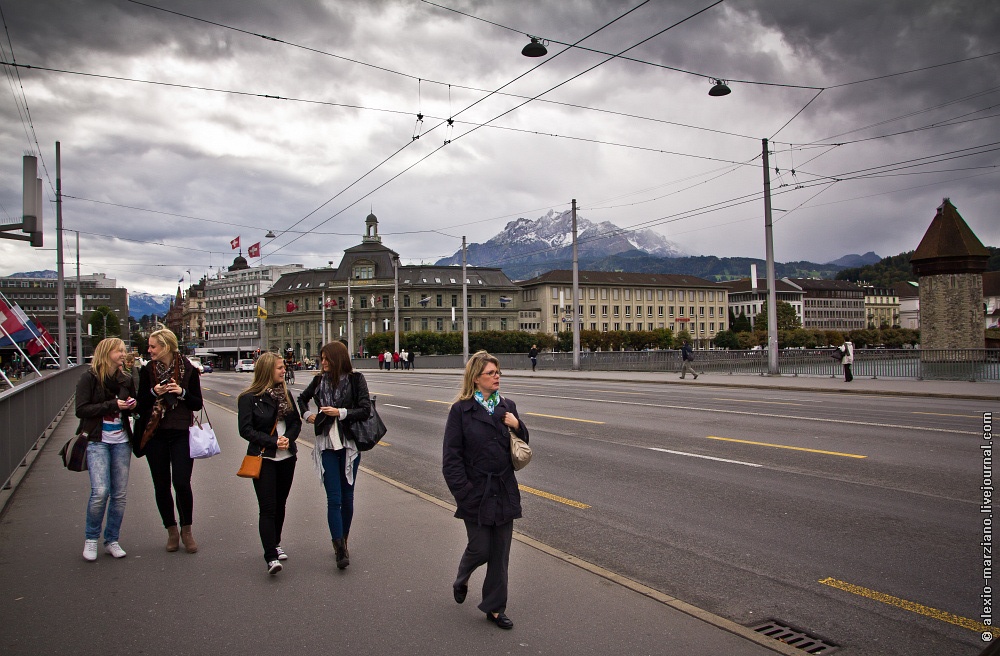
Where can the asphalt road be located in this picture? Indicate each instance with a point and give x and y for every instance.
(853, 518)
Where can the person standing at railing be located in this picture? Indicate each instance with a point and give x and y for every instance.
(687, 357)
(847, 360)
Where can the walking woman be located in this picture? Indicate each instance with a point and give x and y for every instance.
(105, 397)
(479, 472)
(169, 394)
(341, 396)
(269, 421)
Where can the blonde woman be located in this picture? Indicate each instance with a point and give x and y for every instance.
(169, 393)
(105, 397)
(478, 470)
(270, 422)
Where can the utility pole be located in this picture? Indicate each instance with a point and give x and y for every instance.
(395, 301)
(576, 298)
(60, 274)
(465, 307)
(79, 305)
(772, 295)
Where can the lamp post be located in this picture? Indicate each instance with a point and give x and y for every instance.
(772, 303)
(465, 307)
(576, 297)
(395, 301)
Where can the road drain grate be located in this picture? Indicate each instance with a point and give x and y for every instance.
(798, 639)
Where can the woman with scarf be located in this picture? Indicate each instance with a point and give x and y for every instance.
(478, 470)
(269, 421)
(104, 399)
(169, 394)
(341, 396)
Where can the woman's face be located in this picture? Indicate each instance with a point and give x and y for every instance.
(488, 381)
(325, 364)
(118, 355)
(279, 372)
(158, 351)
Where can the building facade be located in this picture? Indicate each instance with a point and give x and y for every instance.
(37, 297)
(881, 307)
(625, 301)
(358, 299)
(908, 293)
(831, 304)
(749, 295)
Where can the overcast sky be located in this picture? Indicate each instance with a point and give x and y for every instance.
(161, 170)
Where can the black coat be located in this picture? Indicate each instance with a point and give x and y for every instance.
(257, 415)
(94, 401)
(176, 418)
(359, 409)
(476, 462)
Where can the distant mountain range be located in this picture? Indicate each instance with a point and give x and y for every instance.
(139, 303)
(525, 249)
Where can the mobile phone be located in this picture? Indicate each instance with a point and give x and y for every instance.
(164, 380)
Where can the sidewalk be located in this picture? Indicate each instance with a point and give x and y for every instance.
(984, 391)
(395, 598)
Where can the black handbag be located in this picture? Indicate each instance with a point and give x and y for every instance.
(366, 434)
(74, 453)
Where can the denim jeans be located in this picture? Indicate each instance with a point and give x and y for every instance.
(108, 466)
(339, 493)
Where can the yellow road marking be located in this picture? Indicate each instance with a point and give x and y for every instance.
(224, 394)
(754, 401)
(553, 497)
(784, 446)
(612, 392)
(941, 414)
(913, 607)
(586, 421)
(444, 402)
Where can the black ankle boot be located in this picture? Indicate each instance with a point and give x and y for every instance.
(341, 550)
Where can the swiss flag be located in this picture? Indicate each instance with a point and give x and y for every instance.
(254, 251)
(234, 243)
(10, 320)
(290, 306)
(331, 303)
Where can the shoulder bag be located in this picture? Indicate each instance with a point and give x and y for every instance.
(366, 434)
(201, 436)
(74, 452)
(520, 452)
(250, 467)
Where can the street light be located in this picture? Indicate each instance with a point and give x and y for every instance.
(536, 48)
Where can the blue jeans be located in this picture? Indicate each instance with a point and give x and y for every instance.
(339, 493)
(108, 466)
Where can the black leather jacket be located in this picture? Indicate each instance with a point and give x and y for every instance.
(257, 415)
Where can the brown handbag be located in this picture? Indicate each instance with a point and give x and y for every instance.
(250, 467)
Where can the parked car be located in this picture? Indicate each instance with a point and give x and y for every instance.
(244, 365)
(206, 367)
(197, 364)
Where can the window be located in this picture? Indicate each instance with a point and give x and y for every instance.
(503, 323)
(454, 300)
(363, 271)
(554, 291)
(711, 311)
(604, 326)
(440, 324)
(483, 323)
(692, 311)
(670, 295)
(604, 297)
(680, 295)
(628, 326)
(628, 310)
(406, 325)
(482, 300)
(701, 310)
(614, 294)
(618, 326)
(364, 301)
(616, 311)
(593, 310)
(591, 293)
(440, 300)
(423, 323)
(711, 295)
(406, 300)
(628, 294)
(671, 310)
(701, 296)
(555, 310)
(604, 311)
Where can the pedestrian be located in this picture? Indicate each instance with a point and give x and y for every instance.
(395, 359)
(388, 359)
(533, 354)
(105, 397)
(847, 360)
(341, 396)
(410, 357)
(687, 357)
(403, 360)
(269, 421)
(479, 472)
(131, 369)
(381, 359)
(169, 395)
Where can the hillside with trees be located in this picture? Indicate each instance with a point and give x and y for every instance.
(897, 267)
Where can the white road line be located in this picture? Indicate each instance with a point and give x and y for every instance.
(698, 455)
(392, 405)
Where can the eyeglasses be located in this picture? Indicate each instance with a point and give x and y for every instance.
(495, 372)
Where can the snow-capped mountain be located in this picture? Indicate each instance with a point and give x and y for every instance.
(141, 304)
(550, 238)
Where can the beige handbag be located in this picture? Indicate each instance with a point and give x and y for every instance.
(520, 452)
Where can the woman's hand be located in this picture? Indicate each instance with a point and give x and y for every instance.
(311, 419)
(330, 411)
(127, 404)
(170, 387)
(511, 420)
(283, 443)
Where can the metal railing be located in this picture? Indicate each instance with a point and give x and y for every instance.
(26, 411)
(943, 364)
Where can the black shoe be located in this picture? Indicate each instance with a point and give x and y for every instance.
(500, 620)
(341, 551)
(460, 593)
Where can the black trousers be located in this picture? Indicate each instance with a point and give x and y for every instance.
(848, 376)
(168, 455)
(272, 492)
(490, 546)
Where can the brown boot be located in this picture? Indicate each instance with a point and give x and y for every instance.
(189, 544)
(173, 538)
(341, 552)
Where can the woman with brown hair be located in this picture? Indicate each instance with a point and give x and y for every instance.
(104, 399)
(341, 396)
(480, 474)
(269, 421)
(169, 394)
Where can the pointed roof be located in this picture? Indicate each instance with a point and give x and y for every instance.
(949, 246)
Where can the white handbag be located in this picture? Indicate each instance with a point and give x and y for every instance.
(201, 436)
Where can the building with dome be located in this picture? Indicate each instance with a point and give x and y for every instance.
(357, 298)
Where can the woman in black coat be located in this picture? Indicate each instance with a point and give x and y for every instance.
(477, 467)
(269, 421)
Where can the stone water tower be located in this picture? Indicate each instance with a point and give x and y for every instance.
(949, 263)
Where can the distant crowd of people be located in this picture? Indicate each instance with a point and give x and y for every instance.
(401, 359)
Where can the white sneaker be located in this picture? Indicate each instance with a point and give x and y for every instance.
(281, 553)
(115, 549)
(273, 567)
(90, 550)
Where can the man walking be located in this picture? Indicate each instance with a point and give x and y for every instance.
(533, 354)
(687, 357)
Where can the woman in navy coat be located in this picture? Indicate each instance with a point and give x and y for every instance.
(477, 467)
